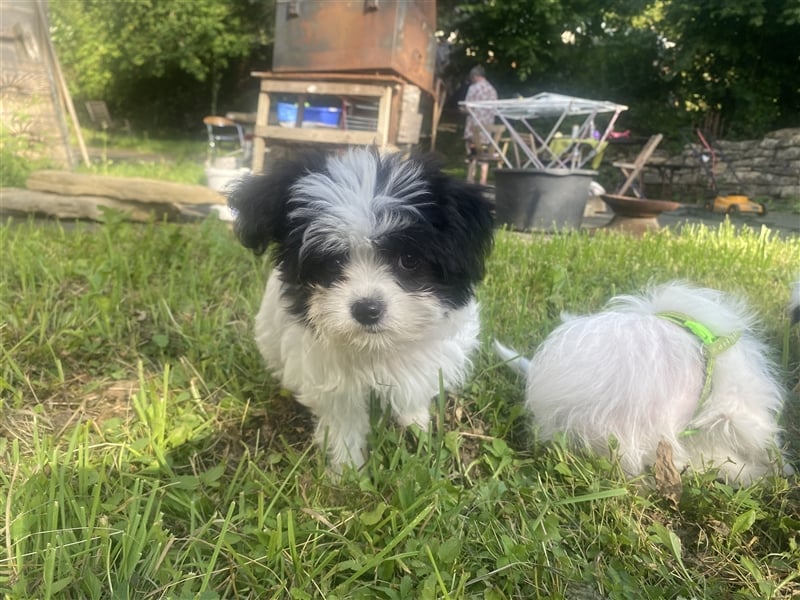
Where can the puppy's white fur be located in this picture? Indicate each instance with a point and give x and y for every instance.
(334, 372)
(629, 375)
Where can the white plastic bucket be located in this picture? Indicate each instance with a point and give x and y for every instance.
(219, 179)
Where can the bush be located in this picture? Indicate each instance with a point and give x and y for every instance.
(19, 155)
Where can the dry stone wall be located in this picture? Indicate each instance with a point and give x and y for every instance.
(766, 168)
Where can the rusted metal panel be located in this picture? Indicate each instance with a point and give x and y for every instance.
(357, 36)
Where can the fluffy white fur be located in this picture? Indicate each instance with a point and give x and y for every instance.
(372, 291)
(334, 372)
(634, 377)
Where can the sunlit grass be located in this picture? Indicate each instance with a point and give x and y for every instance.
(130, 155)
(145, 453)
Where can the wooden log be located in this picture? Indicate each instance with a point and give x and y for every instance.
(135, 189)
(16, 201)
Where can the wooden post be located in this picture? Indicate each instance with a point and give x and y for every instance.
(61, 83)
(439, 97)
(384, 116)
(259, 142)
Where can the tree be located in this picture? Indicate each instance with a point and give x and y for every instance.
(671, 61)
(735, 58)
(153, 51)
(568, 46)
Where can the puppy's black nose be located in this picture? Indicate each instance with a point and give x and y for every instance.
(367, 311)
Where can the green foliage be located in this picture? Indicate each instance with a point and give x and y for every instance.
(145, 453)
(515, 36)
(572, 47)
(672, 62)
(20, 154)
(524, 39)
(726, 59)
(86, 47)
(129, 52)
(166, 63)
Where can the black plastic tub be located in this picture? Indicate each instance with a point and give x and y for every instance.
(541, 199)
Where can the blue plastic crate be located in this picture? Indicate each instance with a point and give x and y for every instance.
(325, 115)
(287, 113)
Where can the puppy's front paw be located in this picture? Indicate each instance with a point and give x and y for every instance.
(421, 419)
(344, 446)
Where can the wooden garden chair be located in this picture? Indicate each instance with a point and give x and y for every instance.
(100, 117)
(633, 170)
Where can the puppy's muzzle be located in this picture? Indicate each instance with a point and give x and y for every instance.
(368, 311)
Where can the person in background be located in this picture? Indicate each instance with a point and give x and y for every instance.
(479, 89)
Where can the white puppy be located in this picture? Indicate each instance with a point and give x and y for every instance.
(372, 291)
(679, 363)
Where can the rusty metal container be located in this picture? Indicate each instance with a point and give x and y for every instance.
(386, 36)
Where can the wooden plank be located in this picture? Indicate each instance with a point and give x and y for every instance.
(122, 188)
(329, 76)
(259, 146)
(410, 128)
(326, 136)
(439, 98)
(410, 118)
(29, 202)
(639, 163)
(326, 88)
(385, 115)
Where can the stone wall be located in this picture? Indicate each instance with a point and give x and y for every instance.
(766, 168)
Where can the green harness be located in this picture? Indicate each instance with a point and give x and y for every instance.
(713, 346)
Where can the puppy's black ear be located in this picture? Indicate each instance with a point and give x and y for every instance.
(466, 218)
(260, 209)
(260, 202)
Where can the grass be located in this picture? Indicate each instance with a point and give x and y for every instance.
(132, 155)
(145, 453)
(20, 154)
(117, 154)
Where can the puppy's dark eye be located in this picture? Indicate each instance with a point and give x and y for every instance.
(322, 269)
(408, 262)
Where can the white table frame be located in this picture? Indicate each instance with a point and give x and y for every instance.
(537, 151)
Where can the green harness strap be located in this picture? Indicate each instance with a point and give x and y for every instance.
(713, 346)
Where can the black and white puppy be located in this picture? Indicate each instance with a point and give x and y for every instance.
(372, 292)
(677, 363)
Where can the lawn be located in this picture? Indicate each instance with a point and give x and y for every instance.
(179, 160)
(146, 453)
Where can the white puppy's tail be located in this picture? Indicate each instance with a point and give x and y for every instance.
(513, 358)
